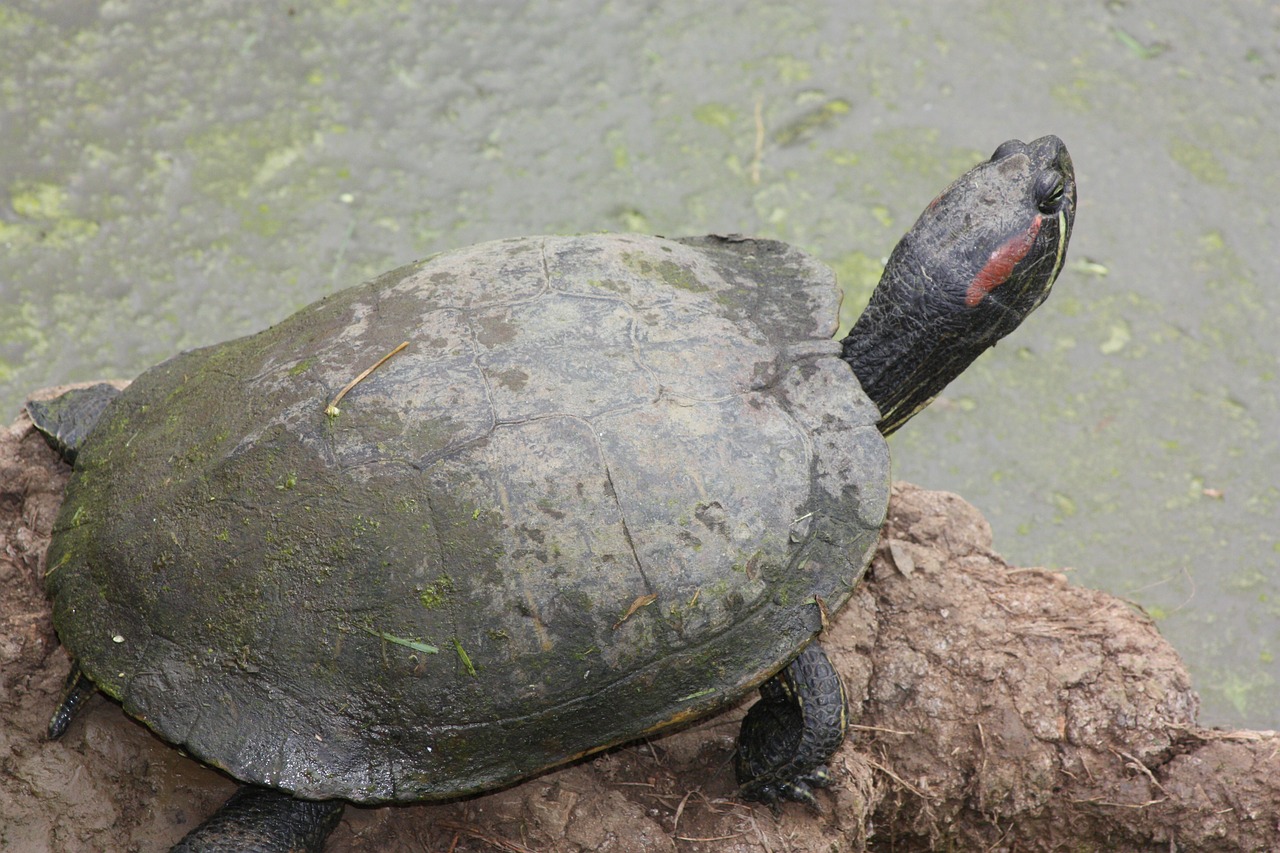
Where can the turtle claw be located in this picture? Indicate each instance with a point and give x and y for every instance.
(798, 791)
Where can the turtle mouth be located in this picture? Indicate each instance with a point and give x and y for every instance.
(1054, 194)
(1065, 213)
(1064, 234)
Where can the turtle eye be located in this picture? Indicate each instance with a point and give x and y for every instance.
(1048, 191)
(1012, 146)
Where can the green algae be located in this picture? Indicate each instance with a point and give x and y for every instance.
(1201, 162)
(46, 218)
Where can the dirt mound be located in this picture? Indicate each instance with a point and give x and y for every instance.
(998, 708)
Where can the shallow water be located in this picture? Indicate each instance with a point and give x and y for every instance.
(173, 177)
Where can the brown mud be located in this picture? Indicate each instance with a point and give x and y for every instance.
(997, 708)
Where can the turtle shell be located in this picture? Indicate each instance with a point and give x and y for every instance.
(607, 487)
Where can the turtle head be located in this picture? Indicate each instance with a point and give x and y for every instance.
(982, 256)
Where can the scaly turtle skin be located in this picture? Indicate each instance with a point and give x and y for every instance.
(608, 486)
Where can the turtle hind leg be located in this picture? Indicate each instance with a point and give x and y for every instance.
(75, 691)
(263, 820)
(788, 736)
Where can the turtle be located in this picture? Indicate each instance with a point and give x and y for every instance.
(503, 508)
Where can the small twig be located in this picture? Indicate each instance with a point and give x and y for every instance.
(863, 728)
(895, 777)
(1100, 802)
(711, 838)
(1190, 597)
(996, 845)
(982, 738)
(1222, 734)
(332, 409)
(760, 833)
(675, 824)
(476, 832)
(1135, 763)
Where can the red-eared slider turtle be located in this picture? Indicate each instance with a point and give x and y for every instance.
(610, 485)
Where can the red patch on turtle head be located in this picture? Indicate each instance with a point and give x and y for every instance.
(998, 267)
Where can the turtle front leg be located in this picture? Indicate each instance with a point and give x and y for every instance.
(75, 690)
(790, 733)
(262, 820)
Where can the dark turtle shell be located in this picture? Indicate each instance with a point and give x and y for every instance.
(607, 487)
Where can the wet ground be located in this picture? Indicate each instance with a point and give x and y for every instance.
(174, 175)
